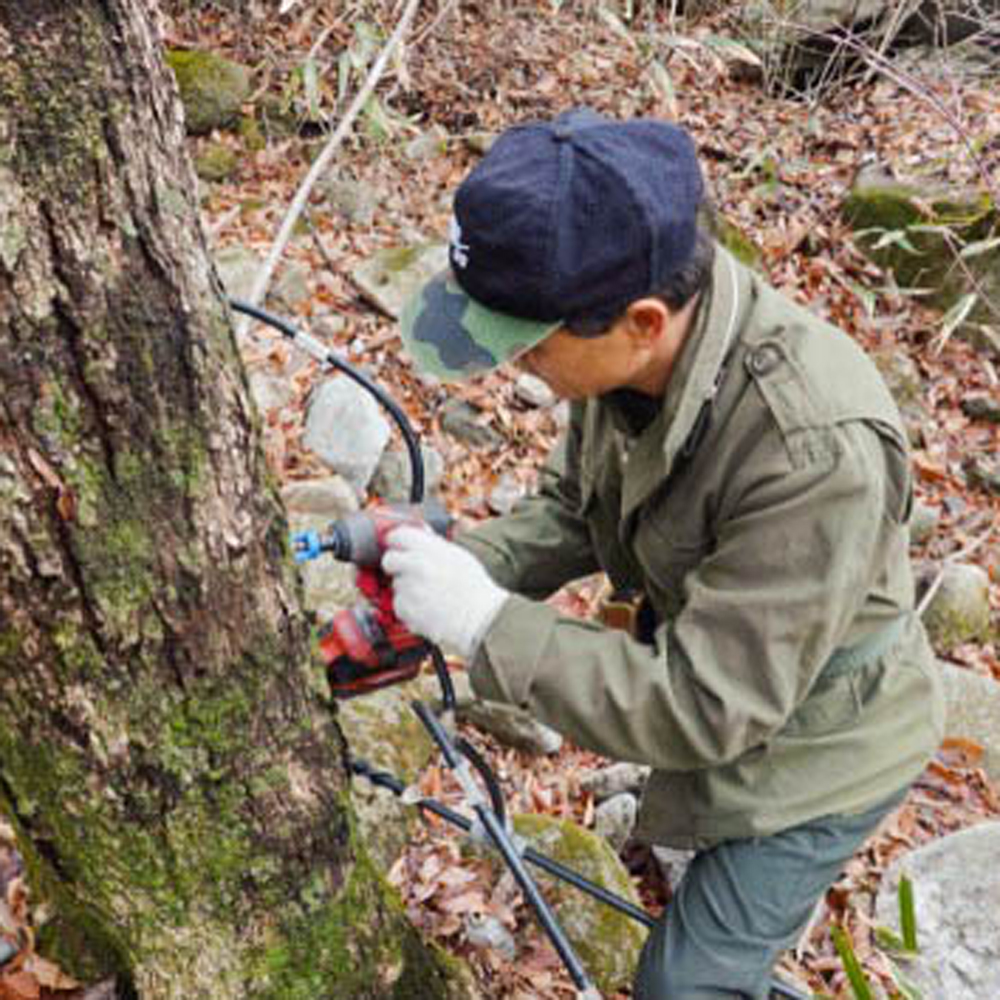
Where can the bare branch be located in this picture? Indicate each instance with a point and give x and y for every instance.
(322, 162)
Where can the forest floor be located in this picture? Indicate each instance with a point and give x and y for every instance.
(778, 168)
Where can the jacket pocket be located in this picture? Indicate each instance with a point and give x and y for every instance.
(829, 708)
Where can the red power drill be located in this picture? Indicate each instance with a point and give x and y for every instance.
(367, 647)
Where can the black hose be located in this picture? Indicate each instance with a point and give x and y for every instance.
(335, 361)
(493, 820)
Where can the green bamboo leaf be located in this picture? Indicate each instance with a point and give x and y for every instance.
(952, 320)
(980, 247)
(907, 912)
(855, 974)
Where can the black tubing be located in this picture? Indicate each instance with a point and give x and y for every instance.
(335, 361)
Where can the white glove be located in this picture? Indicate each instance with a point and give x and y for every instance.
(441, 590)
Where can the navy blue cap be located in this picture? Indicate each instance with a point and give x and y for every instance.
(562, 220)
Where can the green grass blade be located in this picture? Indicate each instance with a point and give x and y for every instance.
(907, 914)
(855, 974)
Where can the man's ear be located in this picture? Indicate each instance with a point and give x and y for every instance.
(648, 320)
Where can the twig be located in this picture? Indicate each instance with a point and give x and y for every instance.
(321, 163)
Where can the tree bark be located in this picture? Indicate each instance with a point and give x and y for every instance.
(177, 785)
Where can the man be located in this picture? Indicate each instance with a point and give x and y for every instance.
(738, 463)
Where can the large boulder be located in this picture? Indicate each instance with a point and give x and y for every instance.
(917, 233)
(956, 889)
(973, 713)
(606, 941)
(212, 89)
(809, 43)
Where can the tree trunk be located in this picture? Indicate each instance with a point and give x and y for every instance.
(177, 786)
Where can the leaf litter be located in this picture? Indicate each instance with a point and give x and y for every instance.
(778, 171)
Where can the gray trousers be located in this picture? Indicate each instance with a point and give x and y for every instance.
(741, 904)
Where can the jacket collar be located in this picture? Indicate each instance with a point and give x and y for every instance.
(693, 383)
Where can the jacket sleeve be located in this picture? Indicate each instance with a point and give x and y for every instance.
(544, 542)
(794, 560)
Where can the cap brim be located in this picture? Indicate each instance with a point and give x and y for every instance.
(450, 335)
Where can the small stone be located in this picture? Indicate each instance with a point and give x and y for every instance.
(512, 726)
(614, 819)
(982, 474)
(390, 277)
(924, 522)
(673, 864)
(270, 392)
(330, 326)
(982, 408)
(532, 390)
(960, 609)
(505, 495)
(393, 476)
(462, 421)
(484, 931)
(353, 201)
(346, 429)
(615, 779)
(330, 497)
(237, 267)
(292, 286)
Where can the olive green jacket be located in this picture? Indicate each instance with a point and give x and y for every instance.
(767, 527)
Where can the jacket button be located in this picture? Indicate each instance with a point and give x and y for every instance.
(764, 359)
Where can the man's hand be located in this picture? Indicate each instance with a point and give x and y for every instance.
(442, 592)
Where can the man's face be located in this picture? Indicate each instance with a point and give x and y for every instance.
(577, 367)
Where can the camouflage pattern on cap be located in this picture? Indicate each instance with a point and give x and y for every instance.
(452, 336)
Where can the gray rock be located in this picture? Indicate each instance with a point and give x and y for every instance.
(462, 421)
(292, 287)
(932, 220)
(960, 609)
(973, 713)
(608, 942)
(393, 474)
(511, 726)
(532, 390)
(505, 494)
(982, 408)
(614, 819)
(330, 497)
(484, 931)
(956, 889)
(212, 89)
(615, 779)
(924, 522)
(353, 201)
(346, 429)
(270, 392)
(982, 474)
(237, 266)
(673, 864)
(389, 278)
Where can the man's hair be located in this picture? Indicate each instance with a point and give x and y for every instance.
(681, 287)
